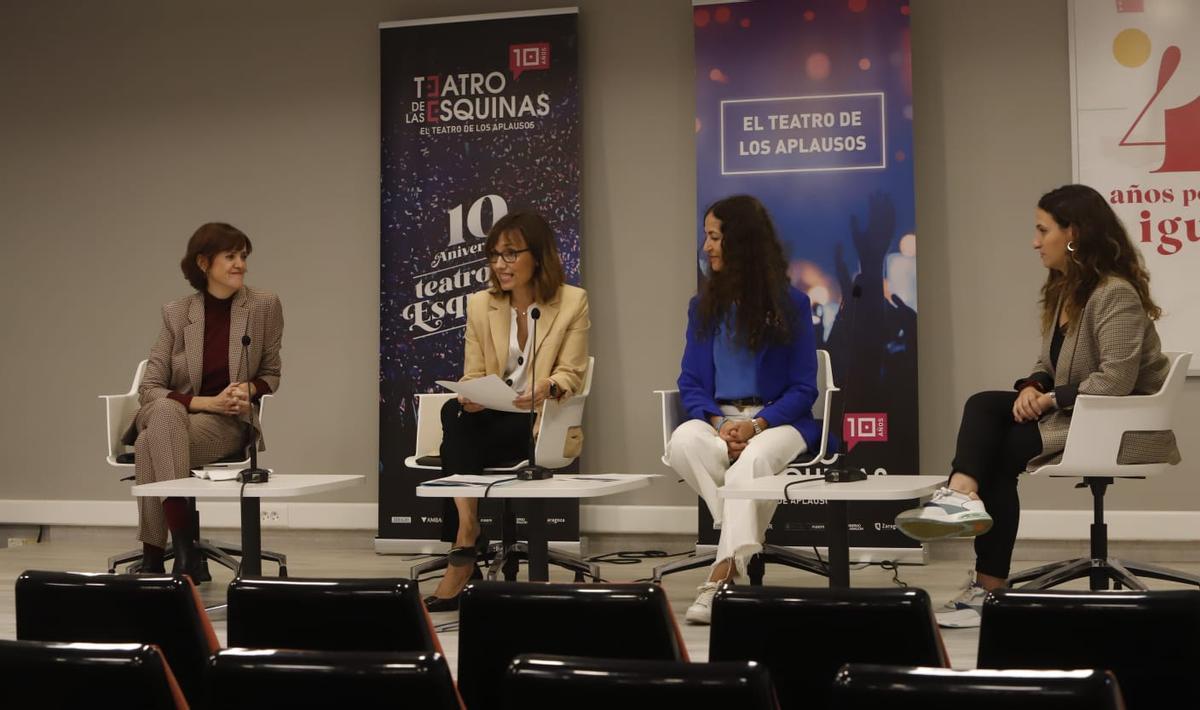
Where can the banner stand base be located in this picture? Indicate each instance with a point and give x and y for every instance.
(398, 546)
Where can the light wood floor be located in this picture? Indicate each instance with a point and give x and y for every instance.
(351, 554)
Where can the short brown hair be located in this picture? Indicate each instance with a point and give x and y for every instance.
(539, 239)
(209, 240)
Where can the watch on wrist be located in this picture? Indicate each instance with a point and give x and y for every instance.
(555, 392)
(754, 423)
(1053, 399)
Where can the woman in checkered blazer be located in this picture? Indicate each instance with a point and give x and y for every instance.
(1098, 338)
(199, 383)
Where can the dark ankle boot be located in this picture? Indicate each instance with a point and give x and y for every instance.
(187, 557)
(152, 560)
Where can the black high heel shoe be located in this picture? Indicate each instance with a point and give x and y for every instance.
(434, 603)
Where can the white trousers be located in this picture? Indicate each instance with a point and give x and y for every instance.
(701, 458)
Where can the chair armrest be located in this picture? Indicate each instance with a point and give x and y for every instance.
(429, 423)
(672, 415)
(558, 416)
(119, 410)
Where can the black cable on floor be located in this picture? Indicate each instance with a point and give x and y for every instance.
(633, 557)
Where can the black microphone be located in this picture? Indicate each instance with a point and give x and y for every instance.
(254, 474)
(533, 472)
(842, 472)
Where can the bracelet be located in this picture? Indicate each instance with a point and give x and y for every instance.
(721, 423)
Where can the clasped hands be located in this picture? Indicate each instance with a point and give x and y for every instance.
(1031, 405)
(234, 400)
(540, 393)
(736, 433)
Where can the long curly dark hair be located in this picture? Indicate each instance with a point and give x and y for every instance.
(1100, 247)
(753, 277)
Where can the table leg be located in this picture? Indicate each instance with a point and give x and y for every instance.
(839, 544)
(508, 539)
(535, 529)
(251, 538)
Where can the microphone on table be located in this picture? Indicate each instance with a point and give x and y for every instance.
(533, 472)
(842, 472)
(254, 474)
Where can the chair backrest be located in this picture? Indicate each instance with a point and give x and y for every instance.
(860, 685)
(500, 620)
(329, 615)
(119, 410)
(260, 678)
(673, 413)
(536, 682)
(41, 674)
(1147, 639)
(804, 635)
(1099, 424)
(120, 608)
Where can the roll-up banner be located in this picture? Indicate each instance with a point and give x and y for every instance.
(807, 105)
(1135, 99)
(479, 117)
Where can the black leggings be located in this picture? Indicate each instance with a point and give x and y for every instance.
(471, 442)
(994, 449)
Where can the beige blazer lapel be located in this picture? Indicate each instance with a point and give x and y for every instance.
(193, 342)
(499, 317)
(239, 316)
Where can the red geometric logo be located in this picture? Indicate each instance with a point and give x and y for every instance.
(864, 426)
(528, 57)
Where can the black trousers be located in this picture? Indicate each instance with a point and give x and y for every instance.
(471, 442)
(994, 449)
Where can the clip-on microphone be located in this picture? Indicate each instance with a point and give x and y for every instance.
(254, 474)
(533, 472)
(842, 473)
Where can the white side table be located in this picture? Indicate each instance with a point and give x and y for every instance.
(836, 495)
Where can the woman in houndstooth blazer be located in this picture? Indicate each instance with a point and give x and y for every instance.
(1098, 337)
(194, 399)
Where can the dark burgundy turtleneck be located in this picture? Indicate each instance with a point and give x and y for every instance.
(215, 368)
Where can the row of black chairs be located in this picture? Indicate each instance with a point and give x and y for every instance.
(56, 675)
(801, 637)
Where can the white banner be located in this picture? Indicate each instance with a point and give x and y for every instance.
(1135, 99)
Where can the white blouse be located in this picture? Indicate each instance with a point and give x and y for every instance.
(516, 368)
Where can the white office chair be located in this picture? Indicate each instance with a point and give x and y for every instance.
(119, 412)
(1093, 442)
(557, 418)
(673, 415)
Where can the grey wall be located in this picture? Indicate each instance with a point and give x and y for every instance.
(125, 125)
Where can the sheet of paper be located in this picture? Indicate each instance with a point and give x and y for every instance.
(466, 479)
(490, 391)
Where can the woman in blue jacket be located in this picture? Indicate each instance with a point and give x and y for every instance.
(747, 381)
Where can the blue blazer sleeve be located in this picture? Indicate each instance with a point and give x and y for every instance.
(787, 375)
(697, 374)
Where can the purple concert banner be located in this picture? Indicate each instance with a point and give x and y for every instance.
(807, 105)
(479, 117)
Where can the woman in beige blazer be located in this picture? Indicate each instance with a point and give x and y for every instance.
(1098, 338)
(193, 396)
(525, 273)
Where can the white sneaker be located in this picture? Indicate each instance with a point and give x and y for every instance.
(947, 514)
(700, 612)
(966, 610)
